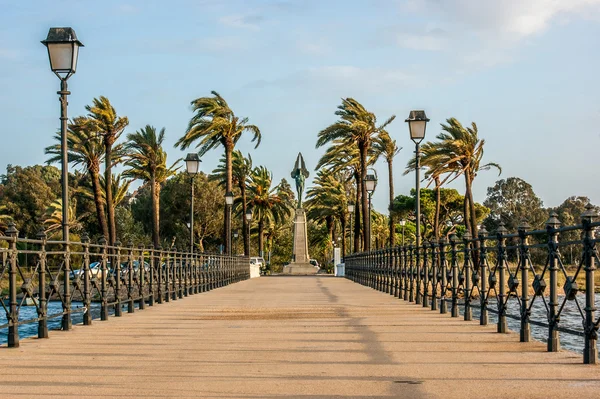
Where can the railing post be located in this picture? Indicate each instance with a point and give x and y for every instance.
(13, 316)
(142, 278)
(43, 300)
(152, 277)
(552, 225)
(434, 274)
(483, 292)
(525, 330)
(443, 268)
(419, 275)
(396, 272)
(455, 280)
(413, 274)
(87, 301)
(425, 275)
(66, 322)
(469, 278)
(161, 270)
(501, 269)
(130, 303)
(590, 351)
(405, 272)
(117, 275)
(103, 293)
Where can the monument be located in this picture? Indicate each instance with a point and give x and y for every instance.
(300, 264)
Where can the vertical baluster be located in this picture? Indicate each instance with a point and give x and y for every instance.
(118, 276)
(43, 300)
(142, 278)
(103, 293)
(418, 272)
(152, 277)
(66, 323)
(413, 274)
(425, 274)
(590, 351)
(468, 313)
(434, 274)
(525, 330)
(405, 273)
(130, 271)
(483, 291)
(87, 301)
(455, 280)
(395, 272)
(161, 267)
(552, 225)
(13, 315)
(443, 268)
(501, 269)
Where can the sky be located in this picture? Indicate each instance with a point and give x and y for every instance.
(525, 71)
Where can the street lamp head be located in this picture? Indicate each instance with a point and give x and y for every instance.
(417, 122)
(249, 214)
(370, 181)
(229, 198)
(63, 49)
(351, 207)
(402, 222)
(236, 233)
(192, 163)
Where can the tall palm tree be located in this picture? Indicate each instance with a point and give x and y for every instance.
(241, 168)
(84, 148)
(214, 124)
(53, 217)
(266, 202)
(386, 147)
(110, 126)
(355, 126)
(460, 150)
(147, 161)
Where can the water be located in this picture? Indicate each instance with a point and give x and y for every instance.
(54, 307)
(570, 318)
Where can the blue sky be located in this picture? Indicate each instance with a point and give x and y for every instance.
(525, 71)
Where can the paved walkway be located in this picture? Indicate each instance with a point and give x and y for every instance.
(290, 337)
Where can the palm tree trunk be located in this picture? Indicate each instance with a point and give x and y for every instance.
(391, 186)
(365, 201)
(155, 193)
(110, 209)
(438, 200)
(245, 236)
(261, 238)
(357, 237)
(94, 174)
(228, 188)
(343, 223)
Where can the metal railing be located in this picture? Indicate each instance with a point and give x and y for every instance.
(111, 277)
(507, 274)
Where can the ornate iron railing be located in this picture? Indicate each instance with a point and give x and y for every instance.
(111, 277)
(489, 272)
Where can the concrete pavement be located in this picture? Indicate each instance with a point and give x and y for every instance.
(290, 337)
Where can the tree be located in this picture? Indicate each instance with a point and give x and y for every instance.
(569, 213)
(5, 219)
(266, 203)
(85, 149)
(241, 169)
(215, 124)
(54, 214)
(356, 126)
(459, 151)
(511, 201)
(110, 126)
(147, 161)
(386, 147)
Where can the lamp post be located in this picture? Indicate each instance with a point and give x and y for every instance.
(192, 164)
(63, 50)
(248, 220)
(236, 234)
(402, 223)
(417, 123)
(351, 212)
(228, 204)
(370, 184)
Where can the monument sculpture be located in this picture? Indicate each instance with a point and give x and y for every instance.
(300, 263)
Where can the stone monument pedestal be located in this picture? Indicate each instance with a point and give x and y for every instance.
(300, 260)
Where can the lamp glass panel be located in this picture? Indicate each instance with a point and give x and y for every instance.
(417, 129)
(370, 184)
(75, 56)
(61, 56)
(351, 208)
(192, 166)
(229, 199)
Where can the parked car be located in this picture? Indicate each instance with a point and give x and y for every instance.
(136, 268)
(314, 262)
(95, 270)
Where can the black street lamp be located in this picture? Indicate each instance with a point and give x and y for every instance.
(417, 123)
(370, 183)
(63, 50)
(351, 212)
(248, 220)
(192, 164)
(228, 203)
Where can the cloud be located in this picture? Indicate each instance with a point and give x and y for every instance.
(238, 21)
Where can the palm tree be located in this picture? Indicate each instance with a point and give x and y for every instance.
(384, 145)
(53, 217)
(326, 202)
(147, 161)
(357, 127)
(266, 202)
(460, 151)
(85, 148)
(4, 218)
(109, 125)
(241, 168)
(214, 124)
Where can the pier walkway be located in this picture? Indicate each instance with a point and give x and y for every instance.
(290, 337)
